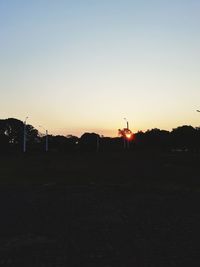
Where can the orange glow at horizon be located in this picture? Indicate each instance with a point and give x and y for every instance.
(128, 135)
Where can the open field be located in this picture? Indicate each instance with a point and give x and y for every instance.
(106, 210)
(146, 170)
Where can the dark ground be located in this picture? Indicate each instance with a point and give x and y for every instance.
(100, 210)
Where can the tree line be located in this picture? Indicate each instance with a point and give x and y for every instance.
(182, 138)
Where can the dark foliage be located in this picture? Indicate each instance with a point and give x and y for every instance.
(89, 142)
(183, 138)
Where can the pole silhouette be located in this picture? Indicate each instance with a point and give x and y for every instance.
(24, 138)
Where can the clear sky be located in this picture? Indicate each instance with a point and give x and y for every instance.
(78, 66)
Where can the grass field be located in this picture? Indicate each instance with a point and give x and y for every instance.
(143, 170)
(104, 210)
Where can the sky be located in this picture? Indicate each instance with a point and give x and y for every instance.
(76, 66)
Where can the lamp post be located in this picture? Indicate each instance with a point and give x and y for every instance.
(46, 139)
(126, 140)
(127, 126)
(24, 137)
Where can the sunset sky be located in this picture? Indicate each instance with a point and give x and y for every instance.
(76, 66)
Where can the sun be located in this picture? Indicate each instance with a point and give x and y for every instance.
(128, 136)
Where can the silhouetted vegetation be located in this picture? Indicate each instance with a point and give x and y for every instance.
(94, 207)
(183, 138)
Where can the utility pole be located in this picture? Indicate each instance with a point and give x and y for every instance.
(126, 141)
(24, 137)
(127, 124)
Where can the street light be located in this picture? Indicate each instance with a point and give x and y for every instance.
(126, 123)
(46, 139)
(126, 135)
(24, 138)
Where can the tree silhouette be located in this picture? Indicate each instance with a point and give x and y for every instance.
(184, 137)
(89, 141)
(12, 130)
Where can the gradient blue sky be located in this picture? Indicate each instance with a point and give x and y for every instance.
(83, 65)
